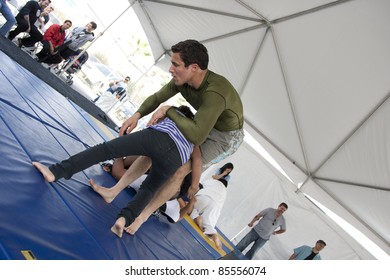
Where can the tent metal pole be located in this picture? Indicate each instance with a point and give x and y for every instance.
(309, 11)
(241, 231)
(276, 147)
(370, 114)
(254, 62)
(297, 127)
(203, 10)
(230, 34)
(351, 183)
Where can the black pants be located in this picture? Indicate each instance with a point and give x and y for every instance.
(148, 142)
(65, 53)
(44, 54)
(22, 26)
(46, 57)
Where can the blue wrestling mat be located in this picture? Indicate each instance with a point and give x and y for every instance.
(67, 219)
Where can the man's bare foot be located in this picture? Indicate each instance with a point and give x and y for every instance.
(45, 171)
(118, 227)
(217, 241)
(134, 226)
(105, 193)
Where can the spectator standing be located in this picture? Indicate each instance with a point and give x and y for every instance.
(306, 252)
(271, 220)
(9, 17)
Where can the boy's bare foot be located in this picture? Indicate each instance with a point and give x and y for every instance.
(105, 193)
(118, 227)
(45, 171)
(217, 241)
(134, 226)
(199, 221)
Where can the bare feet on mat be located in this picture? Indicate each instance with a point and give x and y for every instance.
(118, 227)
(134, 226)
(105, 193)
(45, 171)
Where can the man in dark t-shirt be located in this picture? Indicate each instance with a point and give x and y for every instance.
(26, 19)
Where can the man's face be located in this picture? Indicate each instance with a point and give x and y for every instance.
(281, 209)
(319, 246)
(66, 25)
(89, 27)
(181, 74)
(45, 3)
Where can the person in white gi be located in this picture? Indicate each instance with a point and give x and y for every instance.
(208, 206)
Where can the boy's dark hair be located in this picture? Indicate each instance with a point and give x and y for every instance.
(186, 111)
(226, 166)
(192, 52)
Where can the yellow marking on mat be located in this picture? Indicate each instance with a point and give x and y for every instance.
(208, 240)
(28, 255)
(104, 128)
(225, 242)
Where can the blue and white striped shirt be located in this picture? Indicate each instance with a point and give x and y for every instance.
(184, 147)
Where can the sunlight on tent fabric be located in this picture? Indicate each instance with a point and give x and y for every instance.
(258, 148)
(361, 238)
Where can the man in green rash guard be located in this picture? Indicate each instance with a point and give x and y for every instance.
(217, 125)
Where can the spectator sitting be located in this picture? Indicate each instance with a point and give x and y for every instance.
(77, 39)
(119, 87)
(53, 40)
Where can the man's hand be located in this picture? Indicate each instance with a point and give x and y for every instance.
(192, 190)
(129, 124)
(159, 115)
(192, 200)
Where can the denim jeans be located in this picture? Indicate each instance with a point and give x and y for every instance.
(247, 240)
(10, 19)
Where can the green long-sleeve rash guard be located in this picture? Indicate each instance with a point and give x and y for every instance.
(217, 103)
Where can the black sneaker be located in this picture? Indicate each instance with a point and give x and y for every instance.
(19, 42)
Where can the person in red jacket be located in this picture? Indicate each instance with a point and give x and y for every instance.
(53, 39)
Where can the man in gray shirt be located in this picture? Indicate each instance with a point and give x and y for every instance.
(271, 219)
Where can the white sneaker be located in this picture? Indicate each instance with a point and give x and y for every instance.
(47, 66)
(28, 50)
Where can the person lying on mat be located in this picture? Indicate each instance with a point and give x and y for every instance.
(162, 142)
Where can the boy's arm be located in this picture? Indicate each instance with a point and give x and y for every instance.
(196, 166)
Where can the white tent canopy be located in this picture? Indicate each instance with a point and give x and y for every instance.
(314, 80)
